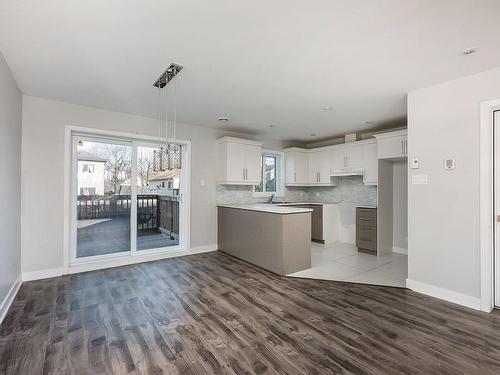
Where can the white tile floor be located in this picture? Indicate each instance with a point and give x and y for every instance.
(342, 262)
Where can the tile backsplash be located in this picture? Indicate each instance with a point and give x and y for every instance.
(349, 190)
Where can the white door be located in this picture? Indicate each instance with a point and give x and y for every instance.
(253, 156)
(394, 147)
(314, 161)
(354, 156)
(325, 165)
(370, 163)
(496, 130)
(236, 153)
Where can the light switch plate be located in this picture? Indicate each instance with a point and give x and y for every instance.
(414, 163)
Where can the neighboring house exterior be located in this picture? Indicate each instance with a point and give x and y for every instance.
(125, 188)
(159, 183)
(166, 182)
(90, 173)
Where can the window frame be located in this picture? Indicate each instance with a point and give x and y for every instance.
(280, 174)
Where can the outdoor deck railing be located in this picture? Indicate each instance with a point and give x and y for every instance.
(154, 212)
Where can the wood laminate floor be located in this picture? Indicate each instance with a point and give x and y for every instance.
(211, 313)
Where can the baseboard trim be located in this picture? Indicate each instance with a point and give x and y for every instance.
(42, 274)
(444, 294)
(124, 261)
(203, 249)
(9, 298)
(400, 250)
(110, 263)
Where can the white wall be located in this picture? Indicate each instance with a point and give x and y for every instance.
(443, 122)
(10, 183)
(400, 204)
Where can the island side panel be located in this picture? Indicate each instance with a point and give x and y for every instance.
(296, 242)
(253, 236)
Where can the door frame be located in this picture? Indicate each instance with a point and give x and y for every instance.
(130, 257)
(487, 201)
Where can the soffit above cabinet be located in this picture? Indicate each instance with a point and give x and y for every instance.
(239, 140)
(332, 147)
(397, 133)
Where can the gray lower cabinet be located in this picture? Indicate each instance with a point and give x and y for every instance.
(316, 221)
(366, 229)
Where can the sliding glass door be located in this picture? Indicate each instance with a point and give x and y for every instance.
(127, 198)
(157, 199)
(103, 196)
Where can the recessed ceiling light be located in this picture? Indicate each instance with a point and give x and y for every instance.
(313, 134)
(368, 122)
(327, 108)
(468, 51)
(223, 119)
(272, 126)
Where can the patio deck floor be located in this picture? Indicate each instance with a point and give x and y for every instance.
(108, 236)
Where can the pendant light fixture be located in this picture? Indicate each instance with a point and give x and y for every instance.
(170, 153)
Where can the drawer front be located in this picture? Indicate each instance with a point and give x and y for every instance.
(366, 222)
(366, 228)
(368, 245)
(366, 213)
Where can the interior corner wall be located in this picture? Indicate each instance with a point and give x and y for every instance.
(400, 204)
(444, 232)
(10, 183)
(43, 136)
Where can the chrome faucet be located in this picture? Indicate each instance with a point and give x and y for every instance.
(270, 200)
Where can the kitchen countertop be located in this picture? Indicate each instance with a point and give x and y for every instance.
(268, 208)
(301, 203)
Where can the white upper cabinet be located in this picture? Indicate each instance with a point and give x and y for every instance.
(370, 164)
(347, 156)
(253, 163)
(320, 163)
(392, 145)
(239, 161)
(313, 167)
(296, 167)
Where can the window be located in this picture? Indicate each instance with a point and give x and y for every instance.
(170, 185)
(271, 174)
(163, 184)
(88, 168)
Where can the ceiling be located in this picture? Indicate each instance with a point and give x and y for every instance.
(258, 62)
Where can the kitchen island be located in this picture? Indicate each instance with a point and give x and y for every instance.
(276, 238)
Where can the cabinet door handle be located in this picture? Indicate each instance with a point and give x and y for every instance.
(246, 174)
(319, 176)
(402, 148)
(294, 176)
(243, 174)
